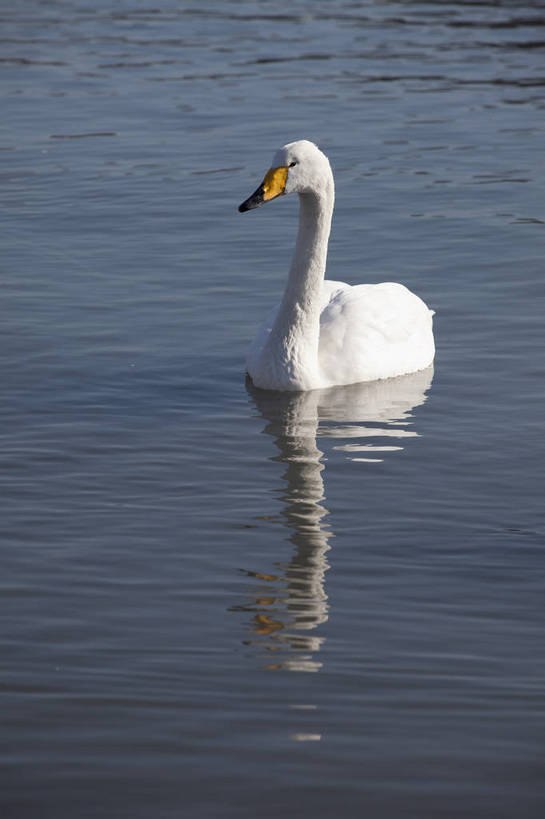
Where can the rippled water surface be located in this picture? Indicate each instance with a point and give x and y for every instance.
(219, 602)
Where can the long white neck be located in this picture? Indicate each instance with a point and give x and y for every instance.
(295, 334)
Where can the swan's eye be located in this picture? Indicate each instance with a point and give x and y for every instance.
(292, 164)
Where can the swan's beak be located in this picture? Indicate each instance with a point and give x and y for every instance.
(272, 186)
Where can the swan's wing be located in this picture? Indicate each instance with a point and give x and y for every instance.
(330, 290)
(371, 331)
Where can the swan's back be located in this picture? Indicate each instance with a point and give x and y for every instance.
(372, 331)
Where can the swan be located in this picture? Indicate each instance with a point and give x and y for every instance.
(328, 333)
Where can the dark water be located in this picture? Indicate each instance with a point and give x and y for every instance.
(222, 602)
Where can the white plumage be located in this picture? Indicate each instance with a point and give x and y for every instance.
(327, 333)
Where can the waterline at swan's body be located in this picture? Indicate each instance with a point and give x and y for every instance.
(327, 333)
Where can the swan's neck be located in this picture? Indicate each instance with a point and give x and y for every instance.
(295, 334)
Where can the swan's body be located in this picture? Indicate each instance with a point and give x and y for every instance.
(327, 333)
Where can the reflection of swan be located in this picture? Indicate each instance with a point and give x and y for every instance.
(291, 602)
(328, 333)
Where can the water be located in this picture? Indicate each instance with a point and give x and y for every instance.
(221, 602)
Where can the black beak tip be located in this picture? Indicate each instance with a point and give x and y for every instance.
(253, 201)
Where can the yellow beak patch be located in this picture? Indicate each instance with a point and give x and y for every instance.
(274, 183)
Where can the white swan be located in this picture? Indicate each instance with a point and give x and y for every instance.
(327, 333)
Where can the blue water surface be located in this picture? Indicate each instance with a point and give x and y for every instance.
(219, 602)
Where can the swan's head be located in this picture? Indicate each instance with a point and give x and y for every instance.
(298, 167)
